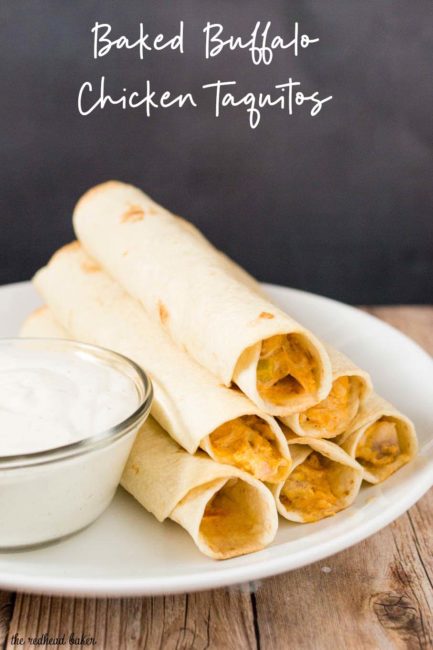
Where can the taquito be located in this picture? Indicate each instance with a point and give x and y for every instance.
(207, 306)
(189, 402)
(323, 480)
(226, 511)
(383, 439)
(337, 413)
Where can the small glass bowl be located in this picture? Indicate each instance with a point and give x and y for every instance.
(46, 495)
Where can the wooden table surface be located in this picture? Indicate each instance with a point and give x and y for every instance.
(376, 595)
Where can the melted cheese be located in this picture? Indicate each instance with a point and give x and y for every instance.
(248, 443)
(285, 368)
(334, 414)
(308, 490)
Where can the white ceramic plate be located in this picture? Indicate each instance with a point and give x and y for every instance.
(127, 552)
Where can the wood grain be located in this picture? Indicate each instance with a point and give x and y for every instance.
(171, 622)
(6, 608)
(376, 595)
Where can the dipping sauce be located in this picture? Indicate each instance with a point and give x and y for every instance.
(69, 414)
(50, 399)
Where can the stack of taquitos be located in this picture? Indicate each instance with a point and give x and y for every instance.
(199, 324)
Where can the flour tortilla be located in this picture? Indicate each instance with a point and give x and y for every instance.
(345, 475)
(189, 402)
(42, 324)
(360, 388)
(375, 410)
(205, 304)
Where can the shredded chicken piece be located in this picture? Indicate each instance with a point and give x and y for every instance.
(284, 367)
(248, 443)
(308, 490)
(379, 445)
(334, 414)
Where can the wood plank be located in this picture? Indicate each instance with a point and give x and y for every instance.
(213, 619)
(379, 594)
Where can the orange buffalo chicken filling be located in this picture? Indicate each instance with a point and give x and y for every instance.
(334, 414)
(379, 449)
(248, 443)
(309, 491)
(285, 368)
(230, 520)
(217, 514)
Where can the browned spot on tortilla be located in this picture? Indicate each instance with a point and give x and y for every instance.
(39, 310)
(163, 312)
(134, 213)
(97, 189)
(67, 248)
(232, 386)
(72, 246)
(89, 266)
(266, 314)
(186, 225)
(125, 253)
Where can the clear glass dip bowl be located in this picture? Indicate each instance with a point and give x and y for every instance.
(46, 495)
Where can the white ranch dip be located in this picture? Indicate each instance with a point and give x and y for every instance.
(54, 393)
(50, 399)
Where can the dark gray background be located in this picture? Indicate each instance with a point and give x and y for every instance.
(340, 204)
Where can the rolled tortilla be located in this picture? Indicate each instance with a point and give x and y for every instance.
(226, 511)
(383, 439)
(189, 402)
(337, 413)
(207, 306)
(323, 480)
